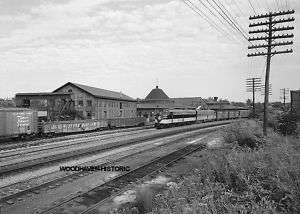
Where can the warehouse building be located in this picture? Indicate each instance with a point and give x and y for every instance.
(295, 102)
(50, 106)
(157, 101)
(84, 101)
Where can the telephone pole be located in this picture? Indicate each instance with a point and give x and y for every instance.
(284, 93)
(263, 90)
(253, 85)
(271, 39)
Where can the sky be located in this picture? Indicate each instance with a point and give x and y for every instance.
(133, 45)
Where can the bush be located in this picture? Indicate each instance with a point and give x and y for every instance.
(266, 180)
(244, 134)
(287, 123)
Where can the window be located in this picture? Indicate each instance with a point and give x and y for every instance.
(121, 106)
(105, 114)
(121, 113)
(104, 104)
(80, 103)
(26, 103)
(80, 114)
(89, 115)
(70, 90)
(89, 103)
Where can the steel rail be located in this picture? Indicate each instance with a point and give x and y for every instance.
(75, 175)
(97, 196)
(70, 136)
(66, 143)
(94, 149)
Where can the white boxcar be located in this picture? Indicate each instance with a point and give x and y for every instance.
(17, 121)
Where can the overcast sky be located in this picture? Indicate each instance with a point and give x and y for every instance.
(130, 45)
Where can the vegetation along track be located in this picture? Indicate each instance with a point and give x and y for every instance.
(57, 181)
(90, 200)
(13, 166)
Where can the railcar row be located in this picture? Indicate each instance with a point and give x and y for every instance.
(22, 122)
(176, 117)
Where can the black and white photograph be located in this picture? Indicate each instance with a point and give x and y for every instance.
(149, 107)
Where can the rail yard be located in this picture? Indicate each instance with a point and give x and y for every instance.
(141, 107)
(76, 152)
(32, 173)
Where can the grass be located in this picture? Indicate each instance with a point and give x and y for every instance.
(251, 174)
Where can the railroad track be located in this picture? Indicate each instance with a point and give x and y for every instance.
(63, 155)
(65, 144)
(88, 202)
(57, 181)
(41, 141)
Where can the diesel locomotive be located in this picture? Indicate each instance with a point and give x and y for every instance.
(175, 117)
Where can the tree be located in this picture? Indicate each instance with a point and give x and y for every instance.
(287, 123)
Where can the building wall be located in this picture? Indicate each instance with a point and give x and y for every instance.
(96, 108)
(295, 102)
(48, 106)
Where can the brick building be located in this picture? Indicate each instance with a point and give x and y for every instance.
(157, 101)
(97, 103)
(84, 101)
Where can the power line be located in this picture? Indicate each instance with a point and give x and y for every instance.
(212, 13)
(277, 4)
(234, 22)
(239, 8)
(253, 85)
(271, 44)
(268, 6)
(251, 5)
(258, 4)
(206, 18)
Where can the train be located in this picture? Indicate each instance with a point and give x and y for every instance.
(176, 117)
(23, 122)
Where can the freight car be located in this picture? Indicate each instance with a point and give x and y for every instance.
(19, 122)
(183, 117)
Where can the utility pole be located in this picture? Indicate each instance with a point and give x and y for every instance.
(271, 38)
(263, 90)
(284, 93)
(253, 85)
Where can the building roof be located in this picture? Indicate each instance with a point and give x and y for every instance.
(152, 106)
(98, 92)
(190, 101)
(14, 109)
(157, 94)
(162, 106)
(43, 94)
